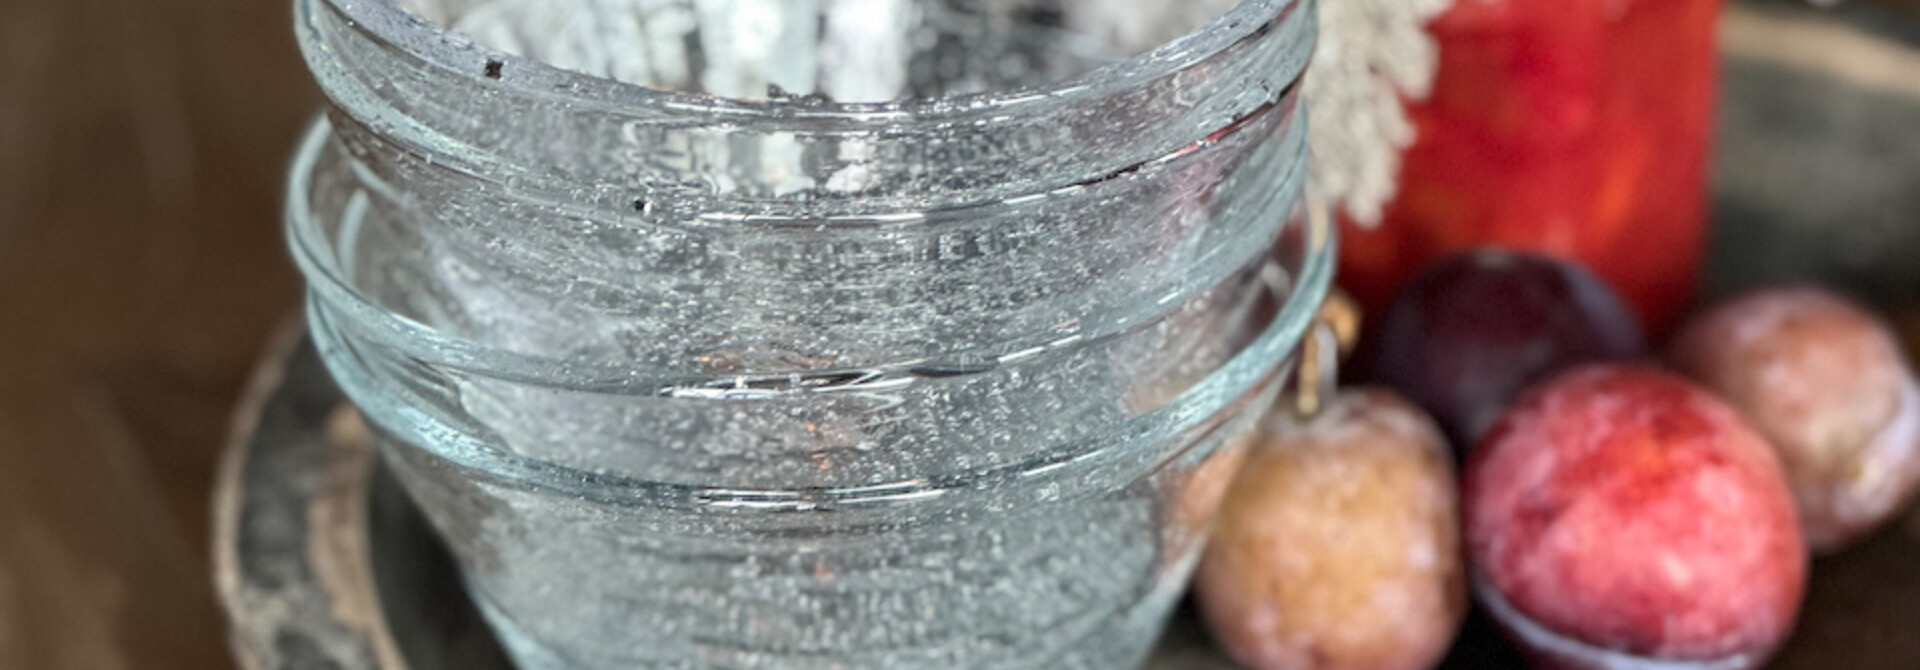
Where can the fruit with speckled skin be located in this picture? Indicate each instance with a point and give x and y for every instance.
(1618, 514)
(1470, 333)
(1826, 382)
(1191, 492)
(1338, 545)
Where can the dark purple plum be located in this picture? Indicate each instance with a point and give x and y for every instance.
(1466, 336)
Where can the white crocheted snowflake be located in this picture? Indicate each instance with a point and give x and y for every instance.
(1372, 56)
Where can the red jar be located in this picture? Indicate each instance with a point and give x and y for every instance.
(1575, 128)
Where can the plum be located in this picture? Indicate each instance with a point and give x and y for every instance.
(1467, 335)
(1619, 516)
(1825, 381)
(1338, 545)
(1191, 492)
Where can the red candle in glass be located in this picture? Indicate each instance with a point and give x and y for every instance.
(1574, 128)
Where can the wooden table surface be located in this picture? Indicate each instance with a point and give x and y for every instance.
(142, 152)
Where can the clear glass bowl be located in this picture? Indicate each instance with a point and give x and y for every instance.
(841, 334)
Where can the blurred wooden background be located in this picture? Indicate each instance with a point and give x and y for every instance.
(142, 151)
(143, 147)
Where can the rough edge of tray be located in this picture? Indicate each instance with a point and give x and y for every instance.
(290, 546)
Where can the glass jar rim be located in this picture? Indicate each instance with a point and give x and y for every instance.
(386, 23)
(385, 68)
(331, 291)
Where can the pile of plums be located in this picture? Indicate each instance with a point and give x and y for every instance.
(1611, 509)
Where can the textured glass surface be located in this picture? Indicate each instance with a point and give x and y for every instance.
(835, 334)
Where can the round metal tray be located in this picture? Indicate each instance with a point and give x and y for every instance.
(323, 562)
